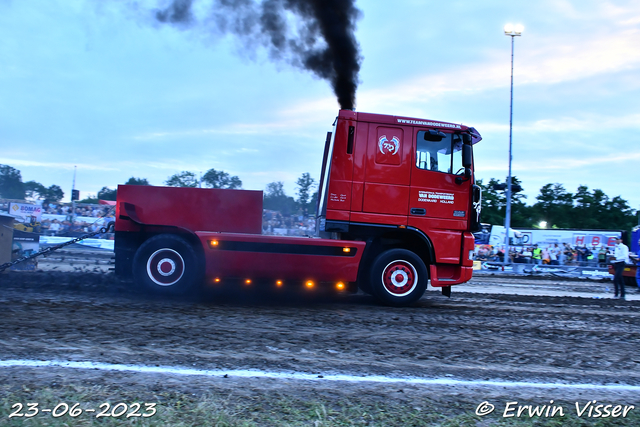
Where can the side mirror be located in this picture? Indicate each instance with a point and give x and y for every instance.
(467, 155)
(467, 161)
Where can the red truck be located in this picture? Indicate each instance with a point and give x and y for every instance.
(397, 204)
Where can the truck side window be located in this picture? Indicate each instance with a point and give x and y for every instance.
(437, 155)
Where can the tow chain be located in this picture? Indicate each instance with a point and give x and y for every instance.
(107, 229)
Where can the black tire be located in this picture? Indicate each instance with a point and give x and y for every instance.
(167, 264)
(398, 277)
(364, 283)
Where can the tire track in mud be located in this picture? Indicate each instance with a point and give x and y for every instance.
(470, 336)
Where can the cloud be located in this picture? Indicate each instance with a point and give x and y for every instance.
(549, 60)
(288, 127)
(55, 165)
(576, 59)
(602, 162)
(567, 124)
(297, 120)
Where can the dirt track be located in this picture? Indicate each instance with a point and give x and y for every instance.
(91, 316)
(80, 317)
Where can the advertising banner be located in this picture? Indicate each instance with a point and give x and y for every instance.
(27, 217)
(24, 244)
(26, 239)
(547, 237)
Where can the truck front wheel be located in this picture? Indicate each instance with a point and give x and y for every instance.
(398, 277)
(167, 264)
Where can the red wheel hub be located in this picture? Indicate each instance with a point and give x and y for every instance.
(399, 278)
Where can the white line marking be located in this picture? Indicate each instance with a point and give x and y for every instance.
(246, 373)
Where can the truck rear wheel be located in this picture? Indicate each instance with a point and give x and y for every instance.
(398, 277)
(167, 264)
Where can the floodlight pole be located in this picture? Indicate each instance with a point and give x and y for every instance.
(509, 31)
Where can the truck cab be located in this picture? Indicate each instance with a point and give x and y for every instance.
(405, 182)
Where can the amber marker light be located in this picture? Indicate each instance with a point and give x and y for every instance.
(309, 284)
(340, 286)
(278, 283)
(216, 280)
(213, 243)
(346, 250)
(247, 282)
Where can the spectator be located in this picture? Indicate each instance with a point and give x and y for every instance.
(621, 255)
(554, 254)
(602, 257)
(588, 255)
(519, 257)
(44, 227)
(94, 227)
(569, 254)
(55, 228)
(536, 255)
(546, 256)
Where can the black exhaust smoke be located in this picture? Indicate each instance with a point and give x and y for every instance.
(315, 35)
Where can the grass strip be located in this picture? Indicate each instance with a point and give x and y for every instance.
(259, 408)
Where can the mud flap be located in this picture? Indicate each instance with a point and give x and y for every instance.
(352, 287)
(446, 291)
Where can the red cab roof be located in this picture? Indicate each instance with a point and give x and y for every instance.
(398, 120)
(412, 121)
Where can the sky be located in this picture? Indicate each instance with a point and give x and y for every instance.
(104, 87)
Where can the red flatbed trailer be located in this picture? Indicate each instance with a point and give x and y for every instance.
(276, 257)
(397, 204)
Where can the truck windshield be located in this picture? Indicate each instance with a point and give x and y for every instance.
(439, 156)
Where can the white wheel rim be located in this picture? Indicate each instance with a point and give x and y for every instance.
(165, 267)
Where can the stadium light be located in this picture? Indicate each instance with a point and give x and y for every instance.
(512, 31)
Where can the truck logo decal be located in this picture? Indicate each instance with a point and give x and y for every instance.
(436, 197)
(388, 147)
(477, 206)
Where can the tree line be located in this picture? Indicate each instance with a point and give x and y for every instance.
(559, 208)
(275, 198)
(584, 209)
(12, 187)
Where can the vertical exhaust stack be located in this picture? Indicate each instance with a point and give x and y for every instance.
(314, 35)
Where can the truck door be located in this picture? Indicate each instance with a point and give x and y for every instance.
(387, 173)
(438, 204)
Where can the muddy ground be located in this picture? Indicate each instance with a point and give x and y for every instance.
(92, 316)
